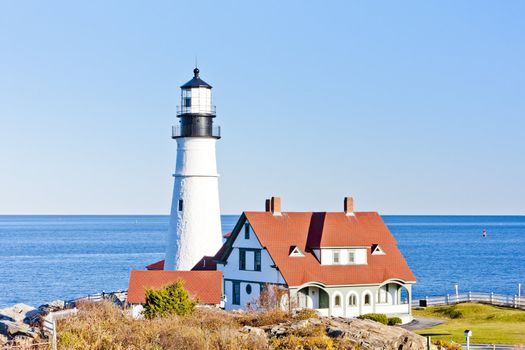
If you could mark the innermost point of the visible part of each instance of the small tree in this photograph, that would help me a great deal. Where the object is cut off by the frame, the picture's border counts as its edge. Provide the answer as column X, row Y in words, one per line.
column 171, row 299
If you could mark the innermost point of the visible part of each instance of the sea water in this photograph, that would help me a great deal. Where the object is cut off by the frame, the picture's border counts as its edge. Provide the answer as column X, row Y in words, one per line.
column 43, row 258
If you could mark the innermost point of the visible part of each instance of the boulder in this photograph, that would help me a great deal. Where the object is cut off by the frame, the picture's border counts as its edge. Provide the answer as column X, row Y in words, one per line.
column 334, row 332
column 18, row 313
column 254, row 330
column 373, row 335
column 12, row 329
column 52, row 306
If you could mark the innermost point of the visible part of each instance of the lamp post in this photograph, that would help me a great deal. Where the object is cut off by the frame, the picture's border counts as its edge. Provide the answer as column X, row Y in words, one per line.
column 468, row 334
column 457, row 292
column 519, row 294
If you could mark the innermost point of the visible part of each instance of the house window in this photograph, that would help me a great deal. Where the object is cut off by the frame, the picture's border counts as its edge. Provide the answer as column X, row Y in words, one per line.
column 236, row 297
column 351, row 257
column 180, row 205
column 335, row 257
column 352, row 300
column 246, row 231
column 367, row 299
column 248, row 289
column 257, row 262
column 337, row 301
column 256, row 259
column 242, row 259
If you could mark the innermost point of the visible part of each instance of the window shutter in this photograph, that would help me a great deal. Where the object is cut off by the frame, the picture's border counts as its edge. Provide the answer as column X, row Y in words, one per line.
column 242, row 259
column 257, row 262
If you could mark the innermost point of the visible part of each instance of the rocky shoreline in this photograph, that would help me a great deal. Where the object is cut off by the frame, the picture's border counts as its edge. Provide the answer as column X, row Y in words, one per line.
column 22, row 324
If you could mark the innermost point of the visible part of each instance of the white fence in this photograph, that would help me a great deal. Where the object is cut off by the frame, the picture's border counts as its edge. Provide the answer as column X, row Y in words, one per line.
column 49, row 323
column 473, row 297
column 118, row 297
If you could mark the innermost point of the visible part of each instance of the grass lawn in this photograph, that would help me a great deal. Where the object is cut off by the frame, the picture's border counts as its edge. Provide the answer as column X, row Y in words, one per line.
column 488, row 323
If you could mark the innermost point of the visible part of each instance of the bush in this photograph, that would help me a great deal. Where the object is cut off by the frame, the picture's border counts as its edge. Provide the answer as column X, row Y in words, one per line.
column 259, row 319
column 450, row 311
column 443, row 344
column 172, row 299
column 392, row 321
column 381, row 318
column 305, row 314
column 105, row 326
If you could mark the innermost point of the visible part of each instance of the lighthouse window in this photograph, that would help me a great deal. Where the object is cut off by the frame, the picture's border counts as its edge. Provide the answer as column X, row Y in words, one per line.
column 180, row 204
column 187, row 102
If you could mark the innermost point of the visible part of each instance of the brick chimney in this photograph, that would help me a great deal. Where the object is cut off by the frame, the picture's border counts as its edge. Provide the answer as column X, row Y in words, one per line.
column 349, row 206
column 268, row 205
column 275, row 206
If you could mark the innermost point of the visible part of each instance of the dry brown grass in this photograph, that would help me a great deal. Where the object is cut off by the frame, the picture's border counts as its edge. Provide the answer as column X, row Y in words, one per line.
column 103, row 326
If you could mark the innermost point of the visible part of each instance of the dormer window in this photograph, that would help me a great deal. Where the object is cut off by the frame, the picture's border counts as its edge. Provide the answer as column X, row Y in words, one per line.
column 335, row 257
column 351, row 257
column 377, row 250
column 295, row 251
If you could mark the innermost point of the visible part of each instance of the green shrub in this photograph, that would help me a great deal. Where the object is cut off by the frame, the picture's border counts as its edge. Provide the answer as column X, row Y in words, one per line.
column 171, row 299
column 381, row 318
column 392, row 321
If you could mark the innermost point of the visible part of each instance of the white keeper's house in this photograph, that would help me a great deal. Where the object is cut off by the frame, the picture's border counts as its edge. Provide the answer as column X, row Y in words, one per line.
column 339, row 263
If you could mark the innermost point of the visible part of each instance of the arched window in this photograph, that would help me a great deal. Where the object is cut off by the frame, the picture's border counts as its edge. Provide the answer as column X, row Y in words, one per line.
column 367, row 299
column 337, row 301
column 352, row 300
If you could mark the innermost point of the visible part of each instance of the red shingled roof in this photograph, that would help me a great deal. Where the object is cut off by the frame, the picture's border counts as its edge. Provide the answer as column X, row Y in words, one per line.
column 206, row 286
column 206, row 263
column 159, row 265
column 313, row 230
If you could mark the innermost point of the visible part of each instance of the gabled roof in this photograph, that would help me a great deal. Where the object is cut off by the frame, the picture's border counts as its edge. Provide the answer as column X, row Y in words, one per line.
column 308, row 231
column 206, row 286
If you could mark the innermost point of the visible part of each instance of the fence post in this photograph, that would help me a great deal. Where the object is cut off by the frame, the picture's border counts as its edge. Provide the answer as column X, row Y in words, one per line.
column 55, row 346
column 514, row 301
column 469, row 296
column 492, row 297
column 448, row 299
column 426, row 300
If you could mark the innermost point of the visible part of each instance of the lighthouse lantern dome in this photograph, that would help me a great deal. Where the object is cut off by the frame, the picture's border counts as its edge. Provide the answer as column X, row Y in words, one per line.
column 196, row 96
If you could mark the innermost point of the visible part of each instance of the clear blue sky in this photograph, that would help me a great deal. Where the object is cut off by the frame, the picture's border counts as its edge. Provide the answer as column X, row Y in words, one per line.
column 412, row 107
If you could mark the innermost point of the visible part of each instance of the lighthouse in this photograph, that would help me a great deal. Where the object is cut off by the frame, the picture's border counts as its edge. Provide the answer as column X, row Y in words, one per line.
column 195, row 222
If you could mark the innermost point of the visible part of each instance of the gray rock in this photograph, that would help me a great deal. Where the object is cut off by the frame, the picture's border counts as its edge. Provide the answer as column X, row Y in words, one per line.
column 12, row 329
column 278, row 331
column 17, row 313
column 55, row 305
column 253, row 330
column 299, row 324
column 315, row 321
column 334, row 332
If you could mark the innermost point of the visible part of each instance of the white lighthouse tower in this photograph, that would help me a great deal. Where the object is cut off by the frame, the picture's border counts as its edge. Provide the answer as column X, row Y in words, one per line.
column 195, row 222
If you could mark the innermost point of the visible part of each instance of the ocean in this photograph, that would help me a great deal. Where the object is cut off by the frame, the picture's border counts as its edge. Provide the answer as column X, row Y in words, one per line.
column 43, row 258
